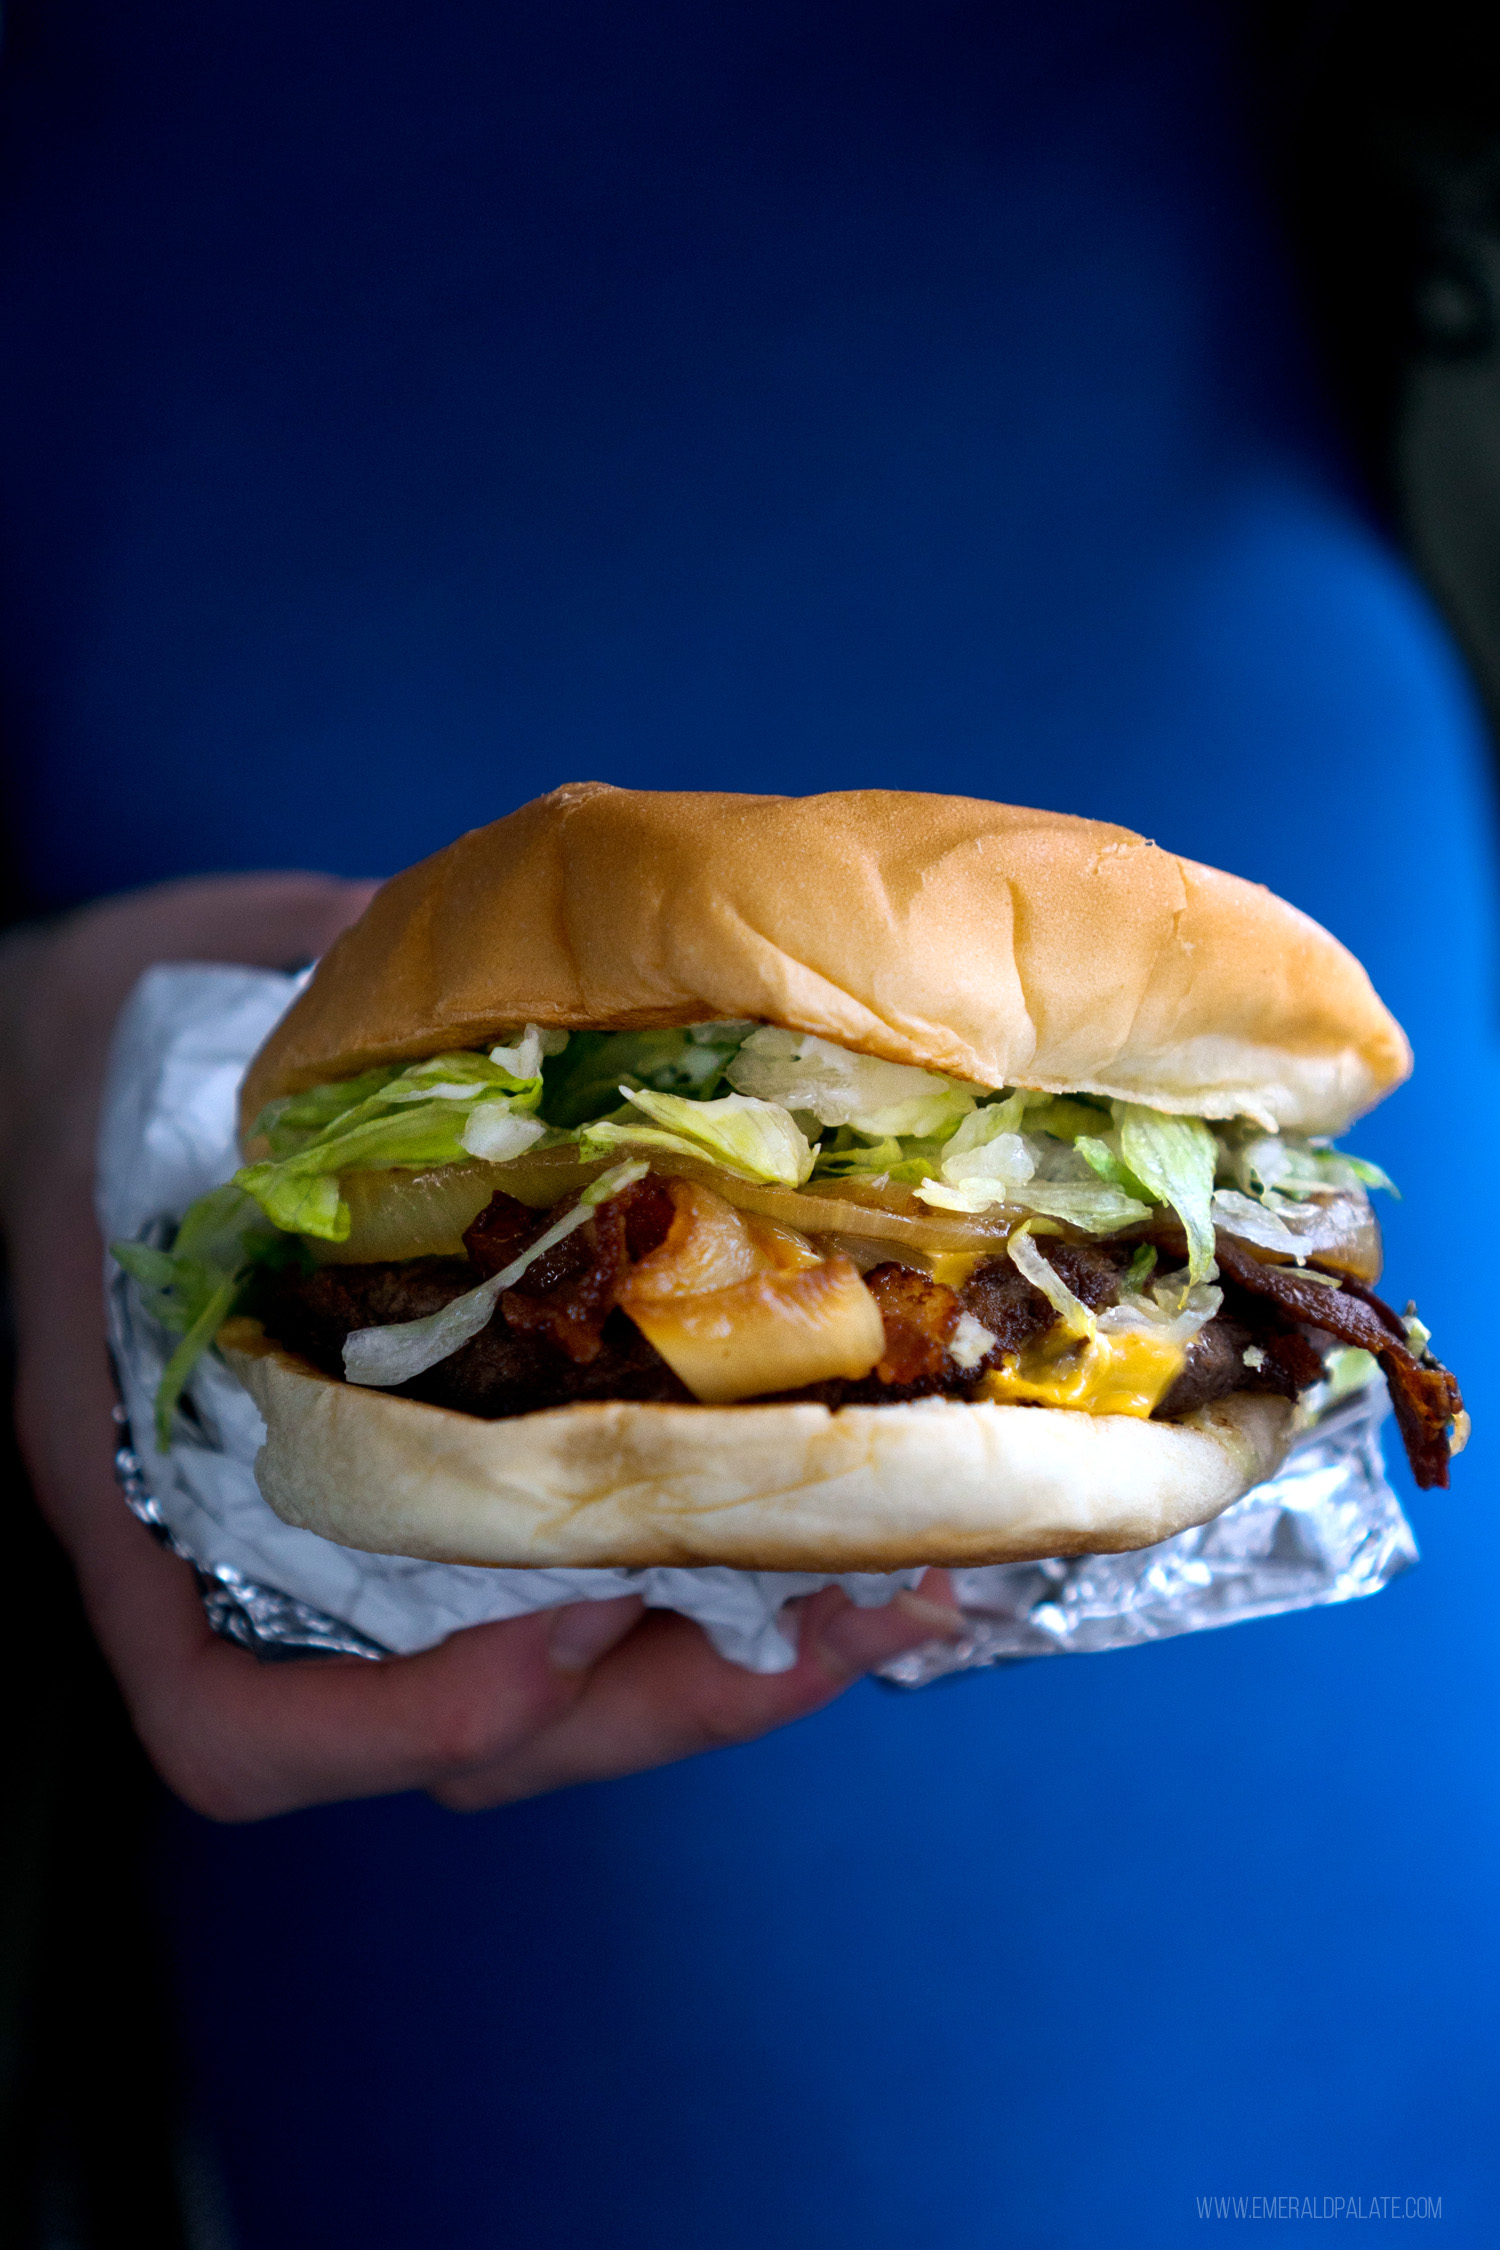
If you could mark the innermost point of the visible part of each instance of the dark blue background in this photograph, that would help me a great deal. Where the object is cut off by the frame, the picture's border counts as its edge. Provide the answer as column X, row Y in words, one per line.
column 400, row 413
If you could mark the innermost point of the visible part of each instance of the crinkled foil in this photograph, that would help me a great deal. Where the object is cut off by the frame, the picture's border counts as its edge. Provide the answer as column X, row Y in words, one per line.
column 273, row 1626
column 1327, row 1528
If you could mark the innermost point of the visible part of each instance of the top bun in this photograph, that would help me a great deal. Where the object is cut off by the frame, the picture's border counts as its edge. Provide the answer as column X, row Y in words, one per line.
column 1000, row 945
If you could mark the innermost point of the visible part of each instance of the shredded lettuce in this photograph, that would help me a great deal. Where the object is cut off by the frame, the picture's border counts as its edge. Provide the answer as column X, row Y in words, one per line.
column 524, row 1056
column 1271, row 1166
column 1064, row 1116
column 1172, row 1310
column 904, row 1163
column 1095, row 1210
column 1346, row 1369
column 1073, row 1313
column 1175, row 1158
column 496, row 1132
column 583, row 1083
column 1140, row 1269
column 838, row 1087
column 193, row 1288
column 438, row 1111
column 989, row 1161
column 1103, row 1157
column 289, row 1124
column 1096, row 1165
column 757, row 1140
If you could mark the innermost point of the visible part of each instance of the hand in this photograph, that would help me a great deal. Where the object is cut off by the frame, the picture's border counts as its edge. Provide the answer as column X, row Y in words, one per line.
column 497, row 1712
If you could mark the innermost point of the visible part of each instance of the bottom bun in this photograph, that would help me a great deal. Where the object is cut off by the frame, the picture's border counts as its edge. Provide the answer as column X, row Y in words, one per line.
column 759, row 1487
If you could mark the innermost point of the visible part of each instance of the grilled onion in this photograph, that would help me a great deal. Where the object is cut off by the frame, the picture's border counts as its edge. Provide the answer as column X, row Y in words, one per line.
column 774, row 1332
column 398, row 1214
column 739, row 1305
column 409, row 1214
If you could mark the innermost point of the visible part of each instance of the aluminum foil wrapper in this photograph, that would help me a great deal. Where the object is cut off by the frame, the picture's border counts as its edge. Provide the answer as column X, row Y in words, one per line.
column 1327, row 1528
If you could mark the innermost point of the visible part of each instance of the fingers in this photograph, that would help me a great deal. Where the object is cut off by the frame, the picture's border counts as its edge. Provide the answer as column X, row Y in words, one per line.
column 581, row 1634
column 498, row 1712
column 240, row 1740
column 664, row 1694
column 854, row 1641
column 62, row 986
column 235, row 1738
column 495, row 1713
column 267, row 921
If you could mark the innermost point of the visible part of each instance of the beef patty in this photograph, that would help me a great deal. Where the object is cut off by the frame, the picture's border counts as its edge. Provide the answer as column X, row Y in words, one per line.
column 559, row 1335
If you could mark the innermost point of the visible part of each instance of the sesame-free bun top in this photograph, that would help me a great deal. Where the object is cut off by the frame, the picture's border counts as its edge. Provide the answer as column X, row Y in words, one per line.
column 1000, row 945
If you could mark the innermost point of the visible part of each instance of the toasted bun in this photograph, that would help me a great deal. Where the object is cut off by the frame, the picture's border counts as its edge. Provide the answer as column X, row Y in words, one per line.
column 1003, row 946
column 758, row 1487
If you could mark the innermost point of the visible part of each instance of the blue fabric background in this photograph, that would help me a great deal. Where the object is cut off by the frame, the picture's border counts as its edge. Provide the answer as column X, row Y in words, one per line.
column 401, row 412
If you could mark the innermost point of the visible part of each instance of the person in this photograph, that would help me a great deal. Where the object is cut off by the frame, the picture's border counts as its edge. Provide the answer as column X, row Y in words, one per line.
column 402, row 416
column 501, row 1712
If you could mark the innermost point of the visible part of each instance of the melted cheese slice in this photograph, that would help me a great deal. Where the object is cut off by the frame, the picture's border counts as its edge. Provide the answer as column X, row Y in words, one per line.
column 1128, row 1374
column 739, row 1305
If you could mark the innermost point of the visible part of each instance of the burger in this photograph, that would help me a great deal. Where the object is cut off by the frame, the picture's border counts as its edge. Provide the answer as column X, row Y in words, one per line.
column 831, row 1183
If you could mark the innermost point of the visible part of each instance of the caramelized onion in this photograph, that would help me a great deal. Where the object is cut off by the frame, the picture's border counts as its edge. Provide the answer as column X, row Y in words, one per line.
column 710, row 1245
column 1339, row 1230
column 738, row 1305
column 902, row 1222
column 397, row 1214
column 409, row 1214
column 771, row 1332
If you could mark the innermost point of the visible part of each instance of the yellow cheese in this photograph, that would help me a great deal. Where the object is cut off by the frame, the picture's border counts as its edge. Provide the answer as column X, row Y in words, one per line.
column 1128, row 1374
column 954, row 1267
column 738, row 1305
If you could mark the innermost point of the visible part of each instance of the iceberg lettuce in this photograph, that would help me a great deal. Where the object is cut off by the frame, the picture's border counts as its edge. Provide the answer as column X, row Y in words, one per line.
column 757, row 1140
column 1175, row 1159
column 1071, row 1311
column 838, row 1087
column 289, row 1124
column 193, row 1288
column 1099, row 1209
column 989, row 1162
column 438, row 1111
column 1270, row 1165
column 584, row 1083
column 1105, row 1159
column 905, row 1163
column 495, row 1132
column 1172, row 1310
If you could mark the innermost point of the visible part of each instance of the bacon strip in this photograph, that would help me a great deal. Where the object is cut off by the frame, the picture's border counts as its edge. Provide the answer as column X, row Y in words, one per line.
column 919, row 1315
column 1425, row 1396
column 570, row 1292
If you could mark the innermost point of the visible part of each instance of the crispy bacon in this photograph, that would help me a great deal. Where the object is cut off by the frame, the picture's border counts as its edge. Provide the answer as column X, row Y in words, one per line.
column 1425, row 1396
column 550, row 1343
column 919, row 1315
column 568, row 1295
column 501, row 1232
